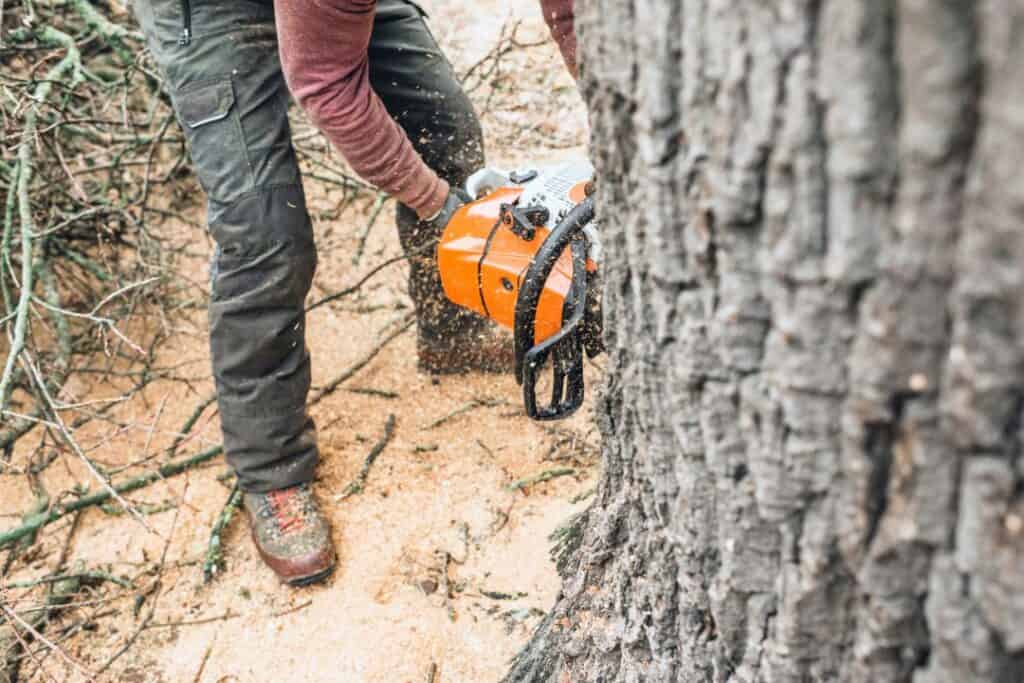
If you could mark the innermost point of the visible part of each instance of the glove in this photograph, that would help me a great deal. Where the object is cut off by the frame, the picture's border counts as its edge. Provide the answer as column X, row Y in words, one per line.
column 456, row 198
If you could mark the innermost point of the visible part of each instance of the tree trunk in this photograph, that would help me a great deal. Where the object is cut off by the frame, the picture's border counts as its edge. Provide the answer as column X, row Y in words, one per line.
column 814, row 220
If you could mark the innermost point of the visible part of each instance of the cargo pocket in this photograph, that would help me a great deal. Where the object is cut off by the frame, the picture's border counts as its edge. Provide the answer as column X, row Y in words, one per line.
column 208, row 114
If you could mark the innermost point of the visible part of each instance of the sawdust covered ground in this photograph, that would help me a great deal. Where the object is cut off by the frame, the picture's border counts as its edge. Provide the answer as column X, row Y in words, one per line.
column 444, row 570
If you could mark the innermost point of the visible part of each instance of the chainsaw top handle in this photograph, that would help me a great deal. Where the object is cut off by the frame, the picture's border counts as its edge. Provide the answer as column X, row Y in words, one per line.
column 565, row 346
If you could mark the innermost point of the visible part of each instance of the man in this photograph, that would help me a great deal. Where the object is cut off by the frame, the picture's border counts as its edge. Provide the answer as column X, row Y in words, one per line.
column 371, row 76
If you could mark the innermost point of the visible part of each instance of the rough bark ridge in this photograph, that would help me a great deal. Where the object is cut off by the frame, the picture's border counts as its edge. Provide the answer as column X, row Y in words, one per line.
column 815, row 315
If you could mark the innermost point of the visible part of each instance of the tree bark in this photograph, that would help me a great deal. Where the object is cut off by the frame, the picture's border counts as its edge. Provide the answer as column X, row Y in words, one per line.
column 814, row 309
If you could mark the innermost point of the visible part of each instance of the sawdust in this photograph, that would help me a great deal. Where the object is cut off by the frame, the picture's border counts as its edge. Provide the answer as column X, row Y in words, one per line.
column 443, row 570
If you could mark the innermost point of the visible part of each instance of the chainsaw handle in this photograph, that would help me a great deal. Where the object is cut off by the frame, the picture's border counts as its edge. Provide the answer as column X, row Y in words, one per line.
column 566, row 349
column 566, row 344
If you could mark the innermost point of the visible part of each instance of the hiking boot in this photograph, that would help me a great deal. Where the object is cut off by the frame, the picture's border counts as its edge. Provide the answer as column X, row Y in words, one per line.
column 490, row 351
column 291, row 534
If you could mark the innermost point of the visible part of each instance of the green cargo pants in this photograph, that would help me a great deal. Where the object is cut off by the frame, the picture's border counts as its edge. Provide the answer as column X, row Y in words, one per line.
column 231, row 100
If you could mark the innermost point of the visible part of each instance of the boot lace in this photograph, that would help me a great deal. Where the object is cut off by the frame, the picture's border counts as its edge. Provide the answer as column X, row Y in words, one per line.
column 286, row 507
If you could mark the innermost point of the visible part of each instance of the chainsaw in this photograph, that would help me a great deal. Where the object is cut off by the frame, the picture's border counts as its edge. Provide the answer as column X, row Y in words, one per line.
column 526, row 253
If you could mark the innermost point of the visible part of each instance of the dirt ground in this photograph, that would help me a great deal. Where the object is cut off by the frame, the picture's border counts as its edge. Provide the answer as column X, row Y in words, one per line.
column 443, row 569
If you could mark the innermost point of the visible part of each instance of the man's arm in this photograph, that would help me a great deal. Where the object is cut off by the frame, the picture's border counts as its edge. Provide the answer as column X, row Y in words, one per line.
column 323, row 54
column 559, row 17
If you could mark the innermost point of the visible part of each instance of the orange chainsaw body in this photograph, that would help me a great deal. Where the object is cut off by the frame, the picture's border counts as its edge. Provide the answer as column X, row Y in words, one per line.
column 482, row 262
column 526, row 254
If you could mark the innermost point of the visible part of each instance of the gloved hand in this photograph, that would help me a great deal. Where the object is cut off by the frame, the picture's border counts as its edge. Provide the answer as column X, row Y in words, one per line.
column 456, row 198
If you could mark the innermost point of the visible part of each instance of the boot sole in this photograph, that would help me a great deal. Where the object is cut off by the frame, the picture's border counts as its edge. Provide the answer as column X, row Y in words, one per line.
column 311, row 579
column 297, row 581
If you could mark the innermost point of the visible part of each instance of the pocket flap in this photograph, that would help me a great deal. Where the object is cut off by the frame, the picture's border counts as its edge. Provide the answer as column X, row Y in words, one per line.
column 206, row 102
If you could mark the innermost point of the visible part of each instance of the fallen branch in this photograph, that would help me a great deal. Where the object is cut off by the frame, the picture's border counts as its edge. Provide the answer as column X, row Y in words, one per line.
column 206, row 657
column 292, row 609
column 47, row 403
column 546, row 475
column 359, row 364
column 70, row 170
column 363, row 280
column 39, row 520
column 486, row 448
column 379, row 393
column 156, row 589
column 18, row 623
column 50, row 516
column 60, row 588
column 462, row 410
column 86, row 578
column 378, row 205
column 502, row 595
column 190, row 423
column 215, row 548
column 360, row 481
column 26, row 168
column 227, row 616
column 583, row 496
column 195, row 622
column 446, row 584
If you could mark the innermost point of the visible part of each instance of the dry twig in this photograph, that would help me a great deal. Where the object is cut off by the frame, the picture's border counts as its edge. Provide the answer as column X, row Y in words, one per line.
column 357, row 484
column 462, row 410
column 51, row 515
column 214, row 561
column 546, row 475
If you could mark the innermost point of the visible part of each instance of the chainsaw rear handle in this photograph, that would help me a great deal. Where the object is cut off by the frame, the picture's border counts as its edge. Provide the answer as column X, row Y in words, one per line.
column 566, row 346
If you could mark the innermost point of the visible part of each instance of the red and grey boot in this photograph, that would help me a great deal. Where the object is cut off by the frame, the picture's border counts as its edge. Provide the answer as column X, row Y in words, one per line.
column 291, row 534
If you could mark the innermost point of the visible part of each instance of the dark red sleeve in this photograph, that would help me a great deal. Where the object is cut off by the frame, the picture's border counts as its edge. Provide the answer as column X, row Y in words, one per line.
column 559, row 17
column 323, row 54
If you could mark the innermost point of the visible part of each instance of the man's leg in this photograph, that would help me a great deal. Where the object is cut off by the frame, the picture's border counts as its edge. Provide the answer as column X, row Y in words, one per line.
column 231, row 100
column 420, row 90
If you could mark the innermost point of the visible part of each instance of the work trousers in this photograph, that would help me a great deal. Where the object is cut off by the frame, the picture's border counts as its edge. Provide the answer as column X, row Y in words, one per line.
column 232, row 103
